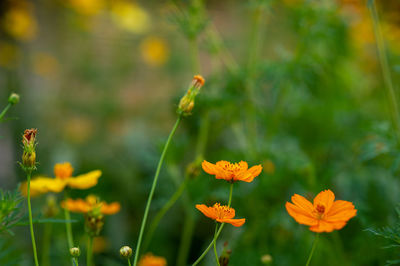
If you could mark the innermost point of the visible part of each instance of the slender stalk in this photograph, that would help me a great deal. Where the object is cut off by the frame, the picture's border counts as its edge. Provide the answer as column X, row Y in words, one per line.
column 89, row 251
column 218, row 232
column 160, row 214
column 312, row 249
column 75, row 261
column 29, row 173
column 46, row 244
column 129, row 262
column 153, row 187
column 215, row 244
column 5, row 111
column 385, row 67
column 68, row 227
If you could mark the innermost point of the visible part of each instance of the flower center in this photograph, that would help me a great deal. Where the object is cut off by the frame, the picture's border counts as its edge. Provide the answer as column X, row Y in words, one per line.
column 231, row 167
column 320, row 209
column 222, row 211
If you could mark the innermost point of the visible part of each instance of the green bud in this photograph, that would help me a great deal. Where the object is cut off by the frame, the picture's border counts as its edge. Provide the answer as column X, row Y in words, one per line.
column 13, row 99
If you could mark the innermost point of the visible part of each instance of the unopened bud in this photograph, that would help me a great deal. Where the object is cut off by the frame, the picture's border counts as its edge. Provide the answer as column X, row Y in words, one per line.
column 29, row 154
column 75, row 252
column 13, row 99
column 186, row 103
column 266, row 259
column 125, row 252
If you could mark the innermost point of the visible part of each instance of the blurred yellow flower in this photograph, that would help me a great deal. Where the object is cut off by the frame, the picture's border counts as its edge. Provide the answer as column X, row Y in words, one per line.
column 45, row 64
column 129, row 16
column 78, row 129
column 19, row 22
column 155, row 51
column 100, row 244
column 151, row 260
column 87, row 7
column 91, row 203
column 8, row 55
column 63, row 178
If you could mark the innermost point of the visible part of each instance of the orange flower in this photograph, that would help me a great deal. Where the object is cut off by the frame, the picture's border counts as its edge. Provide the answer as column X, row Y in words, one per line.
column 222, row 214
column 324, row 214
column 151, row 260
column 232, row 172
column 91, row 203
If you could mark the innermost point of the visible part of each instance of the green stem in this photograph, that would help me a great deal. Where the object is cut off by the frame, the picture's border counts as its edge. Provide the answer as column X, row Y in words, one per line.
column 129, row 262
column 75, row 260
column 89, row 251
column 68, row 226
column 5, row 111
column 29, row 173
column 385, row 67
column 153, row 187
column 46, row 244
column 218, row 232
column 312, row 249
column 215, row 244
column 154, row 224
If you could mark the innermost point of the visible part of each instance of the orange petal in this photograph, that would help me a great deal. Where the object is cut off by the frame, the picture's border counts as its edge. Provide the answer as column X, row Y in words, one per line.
column 111, row 208
column 252, row 173
column 78, row 205
column 323, row 226
column 303, row 203
column 325, row 198
column 207, row 211
column 300, row 215
column 84, row 181
column 209, row 168
column 234, row 222
column 341, row 210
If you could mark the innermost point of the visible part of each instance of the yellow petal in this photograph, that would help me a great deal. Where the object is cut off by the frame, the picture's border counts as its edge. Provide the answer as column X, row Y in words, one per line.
column 41, row 185
column 84, row 181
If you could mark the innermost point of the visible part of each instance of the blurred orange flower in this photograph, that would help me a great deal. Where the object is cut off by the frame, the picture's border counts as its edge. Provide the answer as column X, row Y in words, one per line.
column 91, row 203
column 221, row 214
column 155, row 51
column 232, row 171
column 63, row 178
column 151, row 260
column 324, row 214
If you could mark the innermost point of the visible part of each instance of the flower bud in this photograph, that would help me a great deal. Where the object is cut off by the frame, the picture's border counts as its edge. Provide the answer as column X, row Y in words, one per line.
column 29, row 154
column 186, row 103
column 266, row 259
column 125, row 252
column 13, row 99
column 75, row 252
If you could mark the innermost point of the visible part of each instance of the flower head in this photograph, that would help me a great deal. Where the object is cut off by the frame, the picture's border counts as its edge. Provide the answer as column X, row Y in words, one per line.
column 63, row 178
column 125, row 252
column 221, row 214
column 90, row 204
column 29, row 153
column 324, row 214
column 232, row 171
column 151, row 260
column 186, row 103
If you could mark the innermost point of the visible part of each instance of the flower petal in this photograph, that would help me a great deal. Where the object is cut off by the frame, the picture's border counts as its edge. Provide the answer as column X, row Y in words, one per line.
column 84, row 181
column 325, row 198
column 78, row 205
column 323, row 226
column 207, row 211
column 303, row 203
column 234, row 222
column 300, row 215
column 341, row 210
column 251, row 173
column 110, row 209
column 209, row 168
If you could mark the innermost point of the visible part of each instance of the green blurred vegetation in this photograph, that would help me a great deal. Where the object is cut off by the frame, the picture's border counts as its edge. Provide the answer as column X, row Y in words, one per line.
column 293, row 85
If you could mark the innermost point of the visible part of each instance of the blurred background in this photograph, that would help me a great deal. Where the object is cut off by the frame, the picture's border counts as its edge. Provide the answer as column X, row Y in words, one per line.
column 294, row 85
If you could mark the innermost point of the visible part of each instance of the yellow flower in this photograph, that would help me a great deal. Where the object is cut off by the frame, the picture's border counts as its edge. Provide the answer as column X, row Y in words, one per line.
column 87, row 7
column 19, row 22
column 91, row 203
column 129, row 16
column 151, row 260
column 63, row 178
column 8, row 55
column 155, row 51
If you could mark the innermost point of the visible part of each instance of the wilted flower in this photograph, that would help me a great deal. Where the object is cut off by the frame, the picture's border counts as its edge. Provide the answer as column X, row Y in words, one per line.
column 221, row 214
column 232, row 172
column 63, row 178
column 324, row 214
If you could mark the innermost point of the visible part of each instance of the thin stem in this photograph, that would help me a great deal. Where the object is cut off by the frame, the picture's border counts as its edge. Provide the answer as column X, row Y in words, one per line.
column 215, row 244
column 312, row 249
column 68, row 227
column 129, row 262
column 385, row 66
column 75, row 260
column 89, row 251
column 29, row 173
column 5, row 111
column 153, row 187
column 154, row 224
column 218, row 232
column 46, row 244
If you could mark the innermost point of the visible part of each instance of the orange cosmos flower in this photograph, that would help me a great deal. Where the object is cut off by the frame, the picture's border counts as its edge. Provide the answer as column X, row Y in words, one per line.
column 232, row 172
column 91, row 203
column 324, row 214
column 151, row 260
column 63, row 178
column 222, row 214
